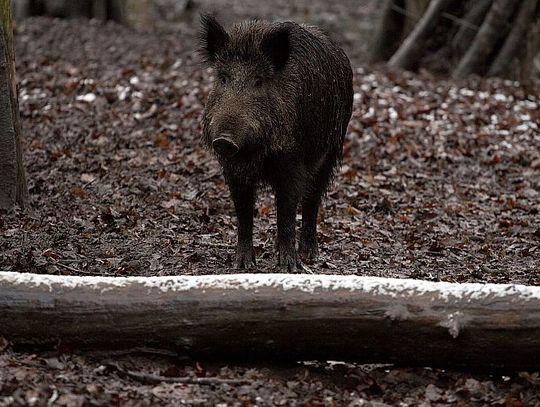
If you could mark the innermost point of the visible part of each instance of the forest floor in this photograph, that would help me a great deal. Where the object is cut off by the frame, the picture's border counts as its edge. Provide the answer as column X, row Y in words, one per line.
column 441, row 181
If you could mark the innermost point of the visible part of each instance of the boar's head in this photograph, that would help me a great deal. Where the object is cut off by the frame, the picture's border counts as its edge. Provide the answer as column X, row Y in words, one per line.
column 250, row 110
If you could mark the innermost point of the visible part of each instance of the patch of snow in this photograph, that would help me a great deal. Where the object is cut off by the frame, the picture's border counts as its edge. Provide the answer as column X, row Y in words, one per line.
column 521, row 128
column 122, row 91
column 467, row 92
column 88, row 97
column 455, row 321
column 308, row 283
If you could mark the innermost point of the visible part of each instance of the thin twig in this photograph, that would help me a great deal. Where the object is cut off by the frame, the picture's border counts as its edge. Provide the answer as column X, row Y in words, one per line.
column 79, row 271
column 68, row 267
column 138, row 350
column 149, row 378
column 216, row 245
column 446, row 15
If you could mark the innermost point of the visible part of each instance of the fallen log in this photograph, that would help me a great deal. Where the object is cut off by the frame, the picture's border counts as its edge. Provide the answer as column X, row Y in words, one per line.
column 304, row 317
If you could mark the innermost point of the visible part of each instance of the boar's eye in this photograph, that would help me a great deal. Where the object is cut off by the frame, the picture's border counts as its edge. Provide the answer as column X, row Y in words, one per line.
column 258, row 81
column 223, row 78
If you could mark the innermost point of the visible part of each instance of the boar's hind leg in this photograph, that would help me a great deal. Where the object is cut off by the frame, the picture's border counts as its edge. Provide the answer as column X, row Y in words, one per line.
column 244, row 202
column 287, row 197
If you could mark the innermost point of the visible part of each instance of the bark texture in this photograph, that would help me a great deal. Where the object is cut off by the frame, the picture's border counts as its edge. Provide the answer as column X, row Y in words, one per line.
column 471, row 22
column 408, row 53
column 389, row 32
column 513, row 43
column 300, row 317
column 414, row 10
column 13, row 188
column 491, row 31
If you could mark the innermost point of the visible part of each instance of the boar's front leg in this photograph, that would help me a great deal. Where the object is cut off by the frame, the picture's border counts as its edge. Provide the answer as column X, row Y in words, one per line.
column 243, row 195
column 287, row 198
column 310, row 208
column 307, row 246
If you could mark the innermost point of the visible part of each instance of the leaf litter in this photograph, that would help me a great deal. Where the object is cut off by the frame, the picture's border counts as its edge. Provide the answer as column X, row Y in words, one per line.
column 440, row 182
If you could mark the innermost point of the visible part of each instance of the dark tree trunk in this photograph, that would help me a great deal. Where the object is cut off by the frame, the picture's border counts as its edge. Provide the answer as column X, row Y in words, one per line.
column 13, row 188
column 471, row 22
column 388, row 35
column 462, row 37
column 99, row 9
column 298, row 317
column 491, row 31
column 115, row 10
column 408, row 53
column 516, row 41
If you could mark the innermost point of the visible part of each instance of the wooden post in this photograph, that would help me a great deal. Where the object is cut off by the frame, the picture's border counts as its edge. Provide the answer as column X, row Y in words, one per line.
column 298, row 317
column 13, row 188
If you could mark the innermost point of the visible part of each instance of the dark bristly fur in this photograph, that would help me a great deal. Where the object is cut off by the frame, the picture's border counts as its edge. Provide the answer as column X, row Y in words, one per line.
column 277, row 115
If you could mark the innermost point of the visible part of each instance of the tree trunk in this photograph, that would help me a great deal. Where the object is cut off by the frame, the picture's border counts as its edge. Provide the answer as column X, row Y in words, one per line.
column 469, row 27
column 98, row 9
column 13, row 188
column 516, row 42
column 408, row 53
column 414, row 10
column 491, row 31
column 299, row 317
column 530, row 65
column 486, row 37
column 388, row 35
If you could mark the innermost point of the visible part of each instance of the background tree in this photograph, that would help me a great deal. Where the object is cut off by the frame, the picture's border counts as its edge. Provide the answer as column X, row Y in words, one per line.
column 12, row 177
column 148, row 13
column 99, row 9
column 460, row 37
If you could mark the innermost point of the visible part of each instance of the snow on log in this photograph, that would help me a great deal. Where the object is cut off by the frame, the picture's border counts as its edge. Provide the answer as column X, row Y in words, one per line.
column 248, row 316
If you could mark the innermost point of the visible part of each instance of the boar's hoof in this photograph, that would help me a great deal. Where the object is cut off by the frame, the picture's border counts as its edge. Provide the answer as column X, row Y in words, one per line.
column 308, row 251
column 225, row 146
column 245, row 259
column 289, row 262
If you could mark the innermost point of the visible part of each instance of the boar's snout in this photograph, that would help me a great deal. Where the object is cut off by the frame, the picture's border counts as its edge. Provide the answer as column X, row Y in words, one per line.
column 225, row 146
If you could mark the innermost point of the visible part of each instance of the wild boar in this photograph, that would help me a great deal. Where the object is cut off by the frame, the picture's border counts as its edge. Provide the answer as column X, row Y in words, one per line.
column 277, row 115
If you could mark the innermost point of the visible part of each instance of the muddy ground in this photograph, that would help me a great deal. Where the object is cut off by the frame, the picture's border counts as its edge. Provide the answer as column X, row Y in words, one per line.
column 440, row 181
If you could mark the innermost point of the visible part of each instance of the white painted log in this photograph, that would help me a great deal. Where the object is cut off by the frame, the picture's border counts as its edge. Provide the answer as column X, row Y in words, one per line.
column 247, row 316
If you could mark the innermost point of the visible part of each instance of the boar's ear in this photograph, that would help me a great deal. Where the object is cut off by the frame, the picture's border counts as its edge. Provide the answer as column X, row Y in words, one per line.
column 213, row 37
column 277, row 45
